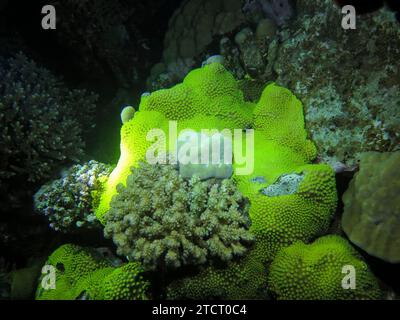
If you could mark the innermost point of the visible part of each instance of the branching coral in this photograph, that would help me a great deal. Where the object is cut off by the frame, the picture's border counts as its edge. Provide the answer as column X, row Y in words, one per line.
column 315, row 272
column 68, row 202
column 39, row 126
column 166, row 222
column 83, row 274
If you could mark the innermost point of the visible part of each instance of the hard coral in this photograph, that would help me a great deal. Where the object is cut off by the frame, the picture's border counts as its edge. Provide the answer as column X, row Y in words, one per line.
column 208, row 98
column 351, row 105
column 68, row 202
column 372, row 206
column 315, row 272
column 166, row 222
column 212, row 99
column 281, row 148
column 40, row 128
column 83, row 274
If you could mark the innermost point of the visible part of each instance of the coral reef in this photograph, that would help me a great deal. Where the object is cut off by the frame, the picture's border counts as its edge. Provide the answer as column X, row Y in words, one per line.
column 83, row 274
column 212, row 100
column 349, row 88
column 68, row 202
column 191, row 30
column 281, row 148
column 39, row 127
column 372, row 206
column 165, row 222
column 314, row 272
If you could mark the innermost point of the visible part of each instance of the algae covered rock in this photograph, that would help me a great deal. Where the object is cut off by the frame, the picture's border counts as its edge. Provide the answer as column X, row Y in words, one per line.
column 371, row 217
column 347, row 79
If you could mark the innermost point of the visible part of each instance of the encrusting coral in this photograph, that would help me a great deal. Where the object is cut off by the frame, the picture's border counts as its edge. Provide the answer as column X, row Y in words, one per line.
column 212, row 99
column 315, row 272
column 83, row 274
column 68, row 202
column 165, row 222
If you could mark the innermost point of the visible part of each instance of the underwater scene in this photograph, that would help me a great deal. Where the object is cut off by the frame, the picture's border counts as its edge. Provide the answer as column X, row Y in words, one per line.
column 195, row 150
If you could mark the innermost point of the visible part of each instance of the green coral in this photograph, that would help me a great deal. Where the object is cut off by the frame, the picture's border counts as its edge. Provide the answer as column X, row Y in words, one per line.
column 82, row 273
column 210, row 98
column 281, row 148
column 314, row 272
column 238, row 280
column 165, row 221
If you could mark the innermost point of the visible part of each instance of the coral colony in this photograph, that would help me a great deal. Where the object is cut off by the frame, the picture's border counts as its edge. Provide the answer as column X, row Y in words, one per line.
column 234, row 150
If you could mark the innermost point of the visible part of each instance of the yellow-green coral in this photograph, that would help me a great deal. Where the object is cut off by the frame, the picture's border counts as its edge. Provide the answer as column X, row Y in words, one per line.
column 165, row 221
column 315, row 271
column 210, row 91
column 82, row 273
column 244, row 279
column 278, row 116
column 210, row 98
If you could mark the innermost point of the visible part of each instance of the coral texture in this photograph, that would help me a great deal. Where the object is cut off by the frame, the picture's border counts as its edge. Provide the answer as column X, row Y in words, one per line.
column 165, row 222
column 371, row 217
column 39, row 126
column 68, row 202
column 281, row 148
column 315, row 272
column 213, row 100
column 83, row 274
column 349, row 88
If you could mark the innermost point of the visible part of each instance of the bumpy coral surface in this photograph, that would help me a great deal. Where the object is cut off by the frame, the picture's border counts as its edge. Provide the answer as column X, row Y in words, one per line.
column 83, row 274
column 67, row 202
column 208, row 98
column 165, row 221
column 315, row 271
column 281, row 148
column 371, row 217
column 212, row 99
